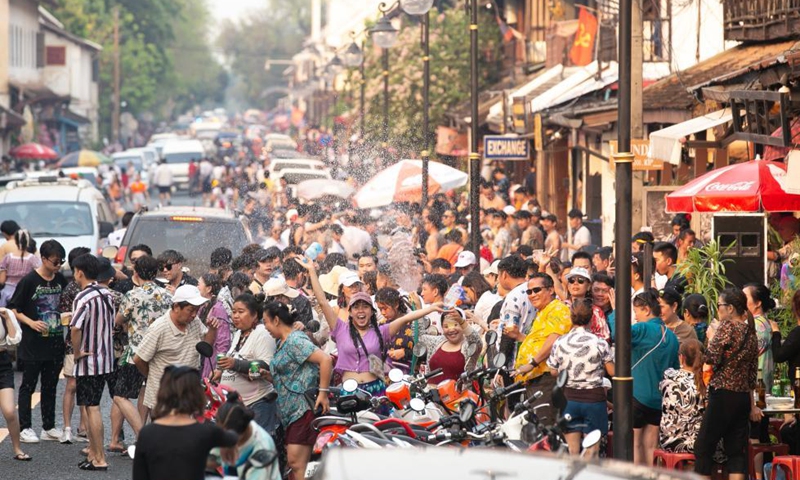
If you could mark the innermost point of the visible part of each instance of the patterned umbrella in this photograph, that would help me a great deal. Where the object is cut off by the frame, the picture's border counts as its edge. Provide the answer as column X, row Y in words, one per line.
column 84, row 158
column 402, row 182
column 33, row 151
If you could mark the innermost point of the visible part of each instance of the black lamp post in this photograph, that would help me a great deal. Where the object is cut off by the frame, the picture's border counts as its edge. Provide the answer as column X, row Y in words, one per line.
column 385, row 36
column 474, row 157
column 354, row 57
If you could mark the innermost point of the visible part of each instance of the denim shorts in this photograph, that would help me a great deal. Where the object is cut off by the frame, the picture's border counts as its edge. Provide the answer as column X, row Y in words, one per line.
column 593, row 416
column 266, row 415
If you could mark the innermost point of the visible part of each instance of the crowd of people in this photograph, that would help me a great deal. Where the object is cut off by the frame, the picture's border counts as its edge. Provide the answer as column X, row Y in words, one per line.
column 365, row 279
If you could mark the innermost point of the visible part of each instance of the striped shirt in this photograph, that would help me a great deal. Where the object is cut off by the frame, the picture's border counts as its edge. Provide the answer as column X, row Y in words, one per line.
column 93, row 313
column 165, row 344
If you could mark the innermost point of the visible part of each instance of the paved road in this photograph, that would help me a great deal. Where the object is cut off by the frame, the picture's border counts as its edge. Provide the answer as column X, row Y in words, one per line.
column 52, row 460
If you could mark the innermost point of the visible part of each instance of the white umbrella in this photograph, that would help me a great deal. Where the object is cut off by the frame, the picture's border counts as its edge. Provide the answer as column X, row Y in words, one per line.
column 402, row 182
column 318, row 188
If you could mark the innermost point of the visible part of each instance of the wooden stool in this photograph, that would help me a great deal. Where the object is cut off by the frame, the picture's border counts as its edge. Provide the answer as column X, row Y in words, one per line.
column 754, row 449
column 791, row 463
column 671, row 461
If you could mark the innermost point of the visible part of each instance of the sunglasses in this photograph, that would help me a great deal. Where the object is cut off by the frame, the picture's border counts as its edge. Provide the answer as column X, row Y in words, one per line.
column 167, row 266
column 533, row 290
column 56, row 263
column 579, row 280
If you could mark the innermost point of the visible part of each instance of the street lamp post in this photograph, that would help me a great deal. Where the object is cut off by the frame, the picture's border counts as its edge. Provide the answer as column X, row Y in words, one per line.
column 474, row 157
column 354, row 57
column 623, row 382
column 385, row 36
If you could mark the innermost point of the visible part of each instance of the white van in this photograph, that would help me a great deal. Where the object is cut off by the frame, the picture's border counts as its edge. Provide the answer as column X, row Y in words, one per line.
column 178, row 154
column 72, row 212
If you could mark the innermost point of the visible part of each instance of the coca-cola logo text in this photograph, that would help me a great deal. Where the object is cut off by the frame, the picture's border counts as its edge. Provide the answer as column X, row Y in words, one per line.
column 729, row 187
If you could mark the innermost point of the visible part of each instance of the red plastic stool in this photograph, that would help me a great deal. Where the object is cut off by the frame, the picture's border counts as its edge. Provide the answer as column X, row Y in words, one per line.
column 754, row 449
column 671, row 461
column 791, row 463
column 610, row 445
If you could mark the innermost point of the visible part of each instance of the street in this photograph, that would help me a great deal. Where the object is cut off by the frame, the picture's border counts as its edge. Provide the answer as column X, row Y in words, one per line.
column 53, row 460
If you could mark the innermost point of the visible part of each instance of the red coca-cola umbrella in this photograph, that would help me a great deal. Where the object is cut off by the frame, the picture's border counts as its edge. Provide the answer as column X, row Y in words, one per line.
column 744, row 187
column 33, row 151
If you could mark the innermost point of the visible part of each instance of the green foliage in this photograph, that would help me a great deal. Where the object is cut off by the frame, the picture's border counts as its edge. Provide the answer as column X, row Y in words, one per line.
column 783, row 296
column 165, row 58
column 275, row 32
column 704, row 270
column 450, row 73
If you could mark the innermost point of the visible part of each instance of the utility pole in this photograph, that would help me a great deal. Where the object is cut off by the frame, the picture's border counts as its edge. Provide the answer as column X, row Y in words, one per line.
column 623, row 381
column 474, row 156
column 426, row 90
column 637, row 58
column 115, row 111
column 363, row 85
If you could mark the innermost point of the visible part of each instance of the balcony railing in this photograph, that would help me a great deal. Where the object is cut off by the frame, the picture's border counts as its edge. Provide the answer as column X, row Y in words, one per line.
column 760, row 20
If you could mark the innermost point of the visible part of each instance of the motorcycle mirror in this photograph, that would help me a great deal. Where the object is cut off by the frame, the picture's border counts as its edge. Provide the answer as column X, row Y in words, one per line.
column 491, row 337
column 591, row 439
column 471, row 349
column 132, row 451
column 417, row 404
column 424, row 323
column 204, row 349
column 420, row 350
column 313, row 326
column 466, row 410
column 396, row 375
column 563, row 376
column 499, row 360
column 350, row 385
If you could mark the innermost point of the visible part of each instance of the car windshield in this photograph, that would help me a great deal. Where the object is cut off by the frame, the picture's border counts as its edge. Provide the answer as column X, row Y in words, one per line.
column 123, row 162
column 303, row 165
column 293, row 178
column 50, row 219
column 183, row 157
column 196, row 240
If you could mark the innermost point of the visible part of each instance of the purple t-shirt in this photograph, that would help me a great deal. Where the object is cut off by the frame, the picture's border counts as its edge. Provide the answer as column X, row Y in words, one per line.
column 348, row 358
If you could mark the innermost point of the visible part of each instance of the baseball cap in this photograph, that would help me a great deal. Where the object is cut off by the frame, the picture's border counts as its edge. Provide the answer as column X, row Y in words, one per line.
column 291, row 214
column 360, row 297
column 492, row 269
column 105, row 271
column 349, row 278
column 523, row 214
column 278, row 286
column 465, row 259
column 509, row 210
column 268, row 254
column 189, row 294
column 550, row 216
column 579, row 272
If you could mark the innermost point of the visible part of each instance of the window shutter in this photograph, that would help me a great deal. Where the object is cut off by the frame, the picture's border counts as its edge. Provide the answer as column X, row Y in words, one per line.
column 40, row 50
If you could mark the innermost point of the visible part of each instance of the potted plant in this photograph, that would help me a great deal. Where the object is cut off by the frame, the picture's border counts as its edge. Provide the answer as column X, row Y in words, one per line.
column 704, row 270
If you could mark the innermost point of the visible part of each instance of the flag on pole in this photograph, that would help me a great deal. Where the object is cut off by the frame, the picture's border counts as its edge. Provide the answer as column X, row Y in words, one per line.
column 582, row 51
column 509, row 33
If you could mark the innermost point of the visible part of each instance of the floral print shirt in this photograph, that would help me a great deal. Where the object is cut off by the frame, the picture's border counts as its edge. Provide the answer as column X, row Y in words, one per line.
column 682, row 410
column 293, row 374
column 733, row 353
column 139, row 308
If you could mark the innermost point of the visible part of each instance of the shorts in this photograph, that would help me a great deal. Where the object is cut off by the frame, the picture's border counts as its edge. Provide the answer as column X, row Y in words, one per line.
column 139, row 198
column 90, row 390
column 167, row 189
column 300, row 431
column 128, row 382
column 644, row 415
column 592, row 416
column 69, row 365
column 6, row 371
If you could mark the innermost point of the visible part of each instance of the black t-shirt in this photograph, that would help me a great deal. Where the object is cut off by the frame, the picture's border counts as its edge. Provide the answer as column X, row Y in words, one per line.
column 38, row 299
column 177, row 452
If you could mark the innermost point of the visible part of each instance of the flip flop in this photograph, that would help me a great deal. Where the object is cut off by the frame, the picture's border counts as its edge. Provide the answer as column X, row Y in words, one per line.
column 116, row 449
column 22, row 457
column 92, row 467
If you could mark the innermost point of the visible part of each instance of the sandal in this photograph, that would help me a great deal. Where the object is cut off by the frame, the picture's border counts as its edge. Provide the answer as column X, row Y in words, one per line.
column 22, row 457
column 92, row 467
column 111, row 449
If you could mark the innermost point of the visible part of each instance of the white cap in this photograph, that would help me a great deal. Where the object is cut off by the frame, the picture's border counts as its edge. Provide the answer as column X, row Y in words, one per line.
column 291, row 214
column 465, row 259
column 509, row 210
column 189, row 294
column 492, row 269
column 278, row 286
column 348, row 279
column 579, row 272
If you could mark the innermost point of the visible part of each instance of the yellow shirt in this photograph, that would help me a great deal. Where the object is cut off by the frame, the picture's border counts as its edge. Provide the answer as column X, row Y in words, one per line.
column 552, row 319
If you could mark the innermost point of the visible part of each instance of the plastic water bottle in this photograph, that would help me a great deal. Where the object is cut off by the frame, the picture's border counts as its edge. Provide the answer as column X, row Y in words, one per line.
column 454, row 296
column 313, row 251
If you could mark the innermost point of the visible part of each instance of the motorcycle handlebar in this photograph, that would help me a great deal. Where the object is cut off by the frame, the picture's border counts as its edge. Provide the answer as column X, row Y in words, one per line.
column 433, row 373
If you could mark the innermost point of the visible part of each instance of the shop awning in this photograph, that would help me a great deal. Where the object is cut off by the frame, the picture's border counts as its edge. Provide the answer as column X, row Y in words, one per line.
column 665, row 144
column 580, row 83
column 10, row 119
column 542, row 82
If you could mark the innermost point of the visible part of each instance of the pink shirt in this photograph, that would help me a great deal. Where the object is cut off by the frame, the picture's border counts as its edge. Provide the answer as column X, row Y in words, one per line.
column 348, row 359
